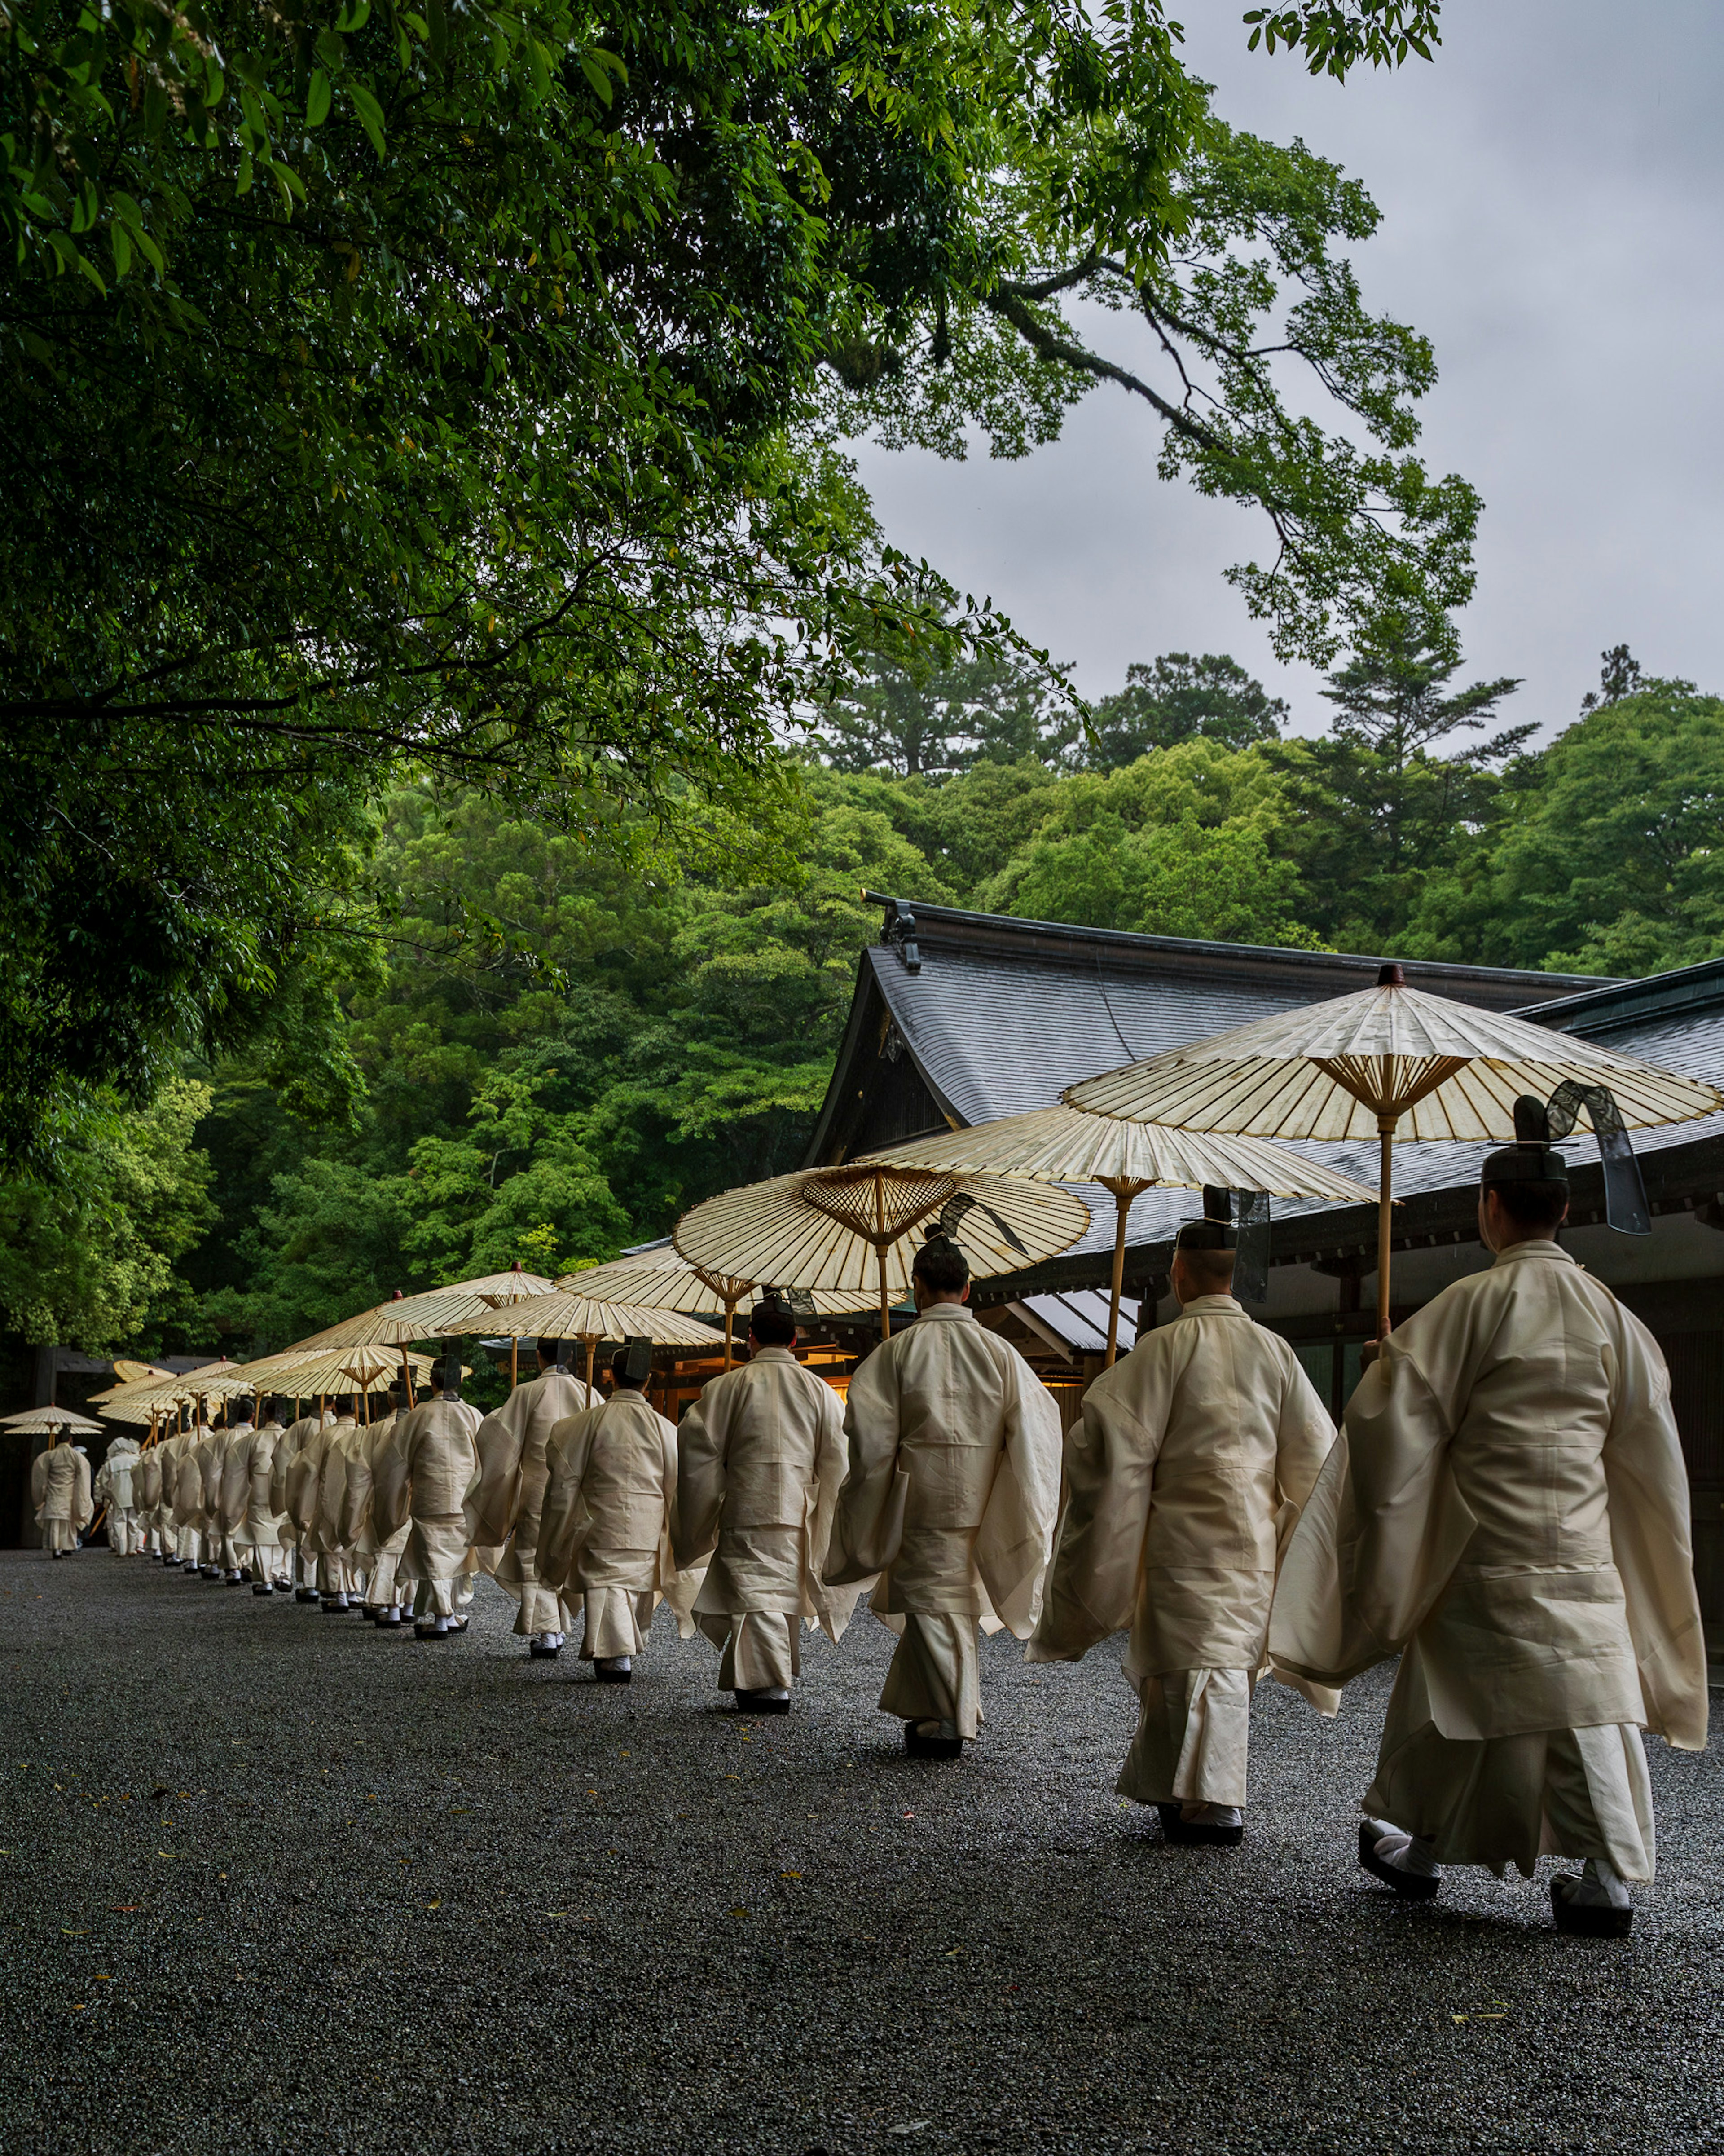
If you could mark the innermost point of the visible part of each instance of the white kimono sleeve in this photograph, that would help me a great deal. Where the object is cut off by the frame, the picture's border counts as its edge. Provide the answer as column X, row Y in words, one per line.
column 501, row 1439
column 868, row 1520
column 1385, row 1526
column 1110, row 1473
column 702, row 1441
column 1651, row 1542
column 1014, row 1540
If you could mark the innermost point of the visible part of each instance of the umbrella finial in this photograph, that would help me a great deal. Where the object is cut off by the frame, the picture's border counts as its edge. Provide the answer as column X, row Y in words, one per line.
column 398, row 1296
column 1392, row 975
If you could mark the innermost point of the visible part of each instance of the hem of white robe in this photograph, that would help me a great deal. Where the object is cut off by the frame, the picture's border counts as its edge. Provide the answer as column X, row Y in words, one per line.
column 935, row 1673
column 1194, row 1738
column 759, row 1650
column 1494, row 1801
column 617, row 1620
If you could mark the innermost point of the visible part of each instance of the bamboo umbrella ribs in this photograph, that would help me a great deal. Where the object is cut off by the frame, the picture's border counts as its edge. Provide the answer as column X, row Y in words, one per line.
column 1065, row 1145
column 437, row 1312
column 1395, row 1061
column 567, row 1315
column 661, row 1278
column 826, row 1229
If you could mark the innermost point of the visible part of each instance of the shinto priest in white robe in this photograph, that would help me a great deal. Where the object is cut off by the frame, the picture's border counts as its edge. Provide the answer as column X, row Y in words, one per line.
column 1507, row 1510
column 761, row 1458
column 950, row 1497
column 1184, row 1477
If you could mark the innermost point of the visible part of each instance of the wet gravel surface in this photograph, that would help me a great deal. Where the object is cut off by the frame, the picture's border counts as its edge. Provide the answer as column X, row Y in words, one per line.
column 271, row 1881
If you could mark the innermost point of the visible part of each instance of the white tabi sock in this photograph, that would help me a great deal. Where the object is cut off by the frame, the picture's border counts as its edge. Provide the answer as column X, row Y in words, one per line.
column 1598, row 1887
column 1406, row 1852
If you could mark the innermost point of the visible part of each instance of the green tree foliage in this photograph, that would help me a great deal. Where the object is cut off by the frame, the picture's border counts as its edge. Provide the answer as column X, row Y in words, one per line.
column 394, row 394
column 89, row 1255
column 1386, row 799
column 909, row 720
column 1178, row 698
column 1177, row 844
column 1611, row 858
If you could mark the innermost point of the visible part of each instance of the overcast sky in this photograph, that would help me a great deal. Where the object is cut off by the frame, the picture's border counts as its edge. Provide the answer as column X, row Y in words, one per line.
column 1553, row 219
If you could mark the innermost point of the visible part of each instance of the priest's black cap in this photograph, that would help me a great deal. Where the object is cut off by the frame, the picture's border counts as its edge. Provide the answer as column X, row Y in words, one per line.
column 1531, row 1158
column 1216, row 1230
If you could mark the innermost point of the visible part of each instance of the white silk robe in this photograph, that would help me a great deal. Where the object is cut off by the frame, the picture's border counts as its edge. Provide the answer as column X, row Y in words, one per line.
column 146, row 1482
column 229, row 1490
column 1507, row 1509
column 60, row 1491
column 260, row 1529
column 116, row 1486
column 951, row 1495
column 426, row 1478
column 761, row 1458
column 1184, row 1478
column 513, row 1474
column 608, row 1529
column 305, row 1504
column 187, row 1497
column 287, row 1447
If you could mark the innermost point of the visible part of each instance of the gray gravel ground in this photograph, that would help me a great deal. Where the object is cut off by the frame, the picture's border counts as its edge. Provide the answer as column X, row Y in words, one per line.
column 271, row 1881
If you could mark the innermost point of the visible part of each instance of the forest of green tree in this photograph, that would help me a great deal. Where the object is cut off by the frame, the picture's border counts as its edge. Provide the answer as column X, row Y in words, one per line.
column 556, row 1044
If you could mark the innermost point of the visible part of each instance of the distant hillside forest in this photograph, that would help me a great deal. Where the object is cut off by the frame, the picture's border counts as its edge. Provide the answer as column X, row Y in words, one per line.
column 558, row 1041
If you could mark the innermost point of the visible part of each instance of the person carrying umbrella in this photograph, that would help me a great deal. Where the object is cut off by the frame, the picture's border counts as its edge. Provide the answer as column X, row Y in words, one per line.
column 950, row 1497
column 1507, row 1510
column 1191, row 1461
column 760, row 1460
column 59, row 1489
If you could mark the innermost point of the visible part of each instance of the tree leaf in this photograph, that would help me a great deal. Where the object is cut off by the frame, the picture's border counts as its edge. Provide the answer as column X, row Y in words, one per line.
column 371, row 113
column 317, row 99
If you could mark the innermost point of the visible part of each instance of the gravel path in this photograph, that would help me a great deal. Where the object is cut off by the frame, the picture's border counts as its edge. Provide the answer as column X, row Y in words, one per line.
column 271, row 1881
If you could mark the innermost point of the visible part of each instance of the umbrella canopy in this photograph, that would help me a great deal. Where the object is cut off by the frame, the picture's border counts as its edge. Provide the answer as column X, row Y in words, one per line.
column 1390, row 1059
column 131, row 1373
column 467, row 1305
column 1062, row 1144
column 827, row 1229
column 45, row 1419
column 330, row 1370
column 210, row 1381
column 564, row 1314
column 663, row 1279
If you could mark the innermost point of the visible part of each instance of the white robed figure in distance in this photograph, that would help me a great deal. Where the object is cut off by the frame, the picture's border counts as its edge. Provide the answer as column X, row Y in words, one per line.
column 951, row 1496
column 262, row 1550
column 513, row 1474
column 1507, row 1510
column 1184, row 1477
column 300, row 1563
column 607, row 1531
column 116, row 1486
column 60, row 1493
column 426, row 1479
column 761, row 1457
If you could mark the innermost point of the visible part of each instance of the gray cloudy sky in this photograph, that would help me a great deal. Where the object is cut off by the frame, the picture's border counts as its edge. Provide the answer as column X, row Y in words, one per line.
column 1551, row 191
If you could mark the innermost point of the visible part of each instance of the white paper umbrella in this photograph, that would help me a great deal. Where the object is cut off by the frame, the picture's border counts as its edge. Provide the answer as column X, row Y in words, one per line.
column 565, row 1315
column 1390, row 1059
column 663, row 1279
column 1065, row 1145
column 827, row 1229
column 45, row 1418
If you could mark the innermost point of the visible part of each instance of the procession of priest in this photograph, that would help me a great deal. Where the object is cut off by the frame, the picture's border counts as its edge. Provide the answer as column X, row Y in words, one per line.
column 1505, row 1509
